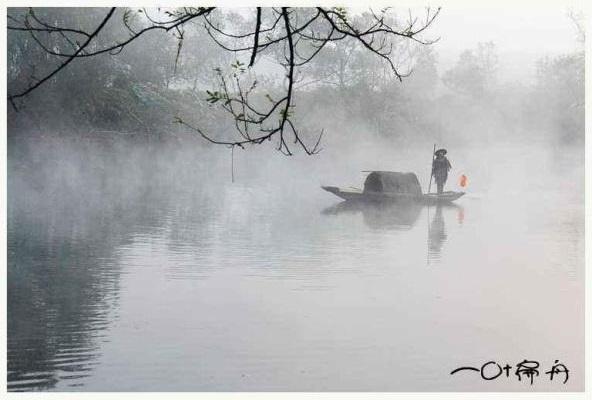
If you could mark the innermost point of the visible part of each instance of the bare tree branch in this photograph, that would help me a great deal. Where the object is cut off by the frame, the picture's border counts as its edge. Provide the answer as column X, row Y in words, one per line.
column 256, row 44
column 300, row 34
column 68, row 61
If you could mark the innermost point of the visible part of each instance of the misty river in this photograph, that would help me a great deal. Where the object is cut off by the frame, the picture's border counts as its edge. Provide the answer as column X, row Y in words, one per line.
column 144, row 267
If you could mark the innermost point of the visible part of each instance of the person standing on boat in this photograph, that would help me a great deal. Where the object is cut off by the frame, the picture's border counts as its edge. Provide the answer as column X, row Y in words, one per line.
column 440, row 168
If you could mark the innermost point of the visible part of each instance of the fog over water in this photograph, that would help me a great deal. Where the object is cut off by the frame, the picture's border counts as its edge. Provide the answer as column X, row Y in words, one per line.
column 146, row 269
column 142, row 258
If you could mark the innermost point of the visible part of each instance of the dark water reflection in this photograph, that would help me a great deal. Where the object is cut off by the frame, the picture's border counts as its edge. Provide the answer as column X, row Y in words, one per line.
column 63, row 269
column 403, row 216
column 142, row 268
column 437, row 230
column 399, row 216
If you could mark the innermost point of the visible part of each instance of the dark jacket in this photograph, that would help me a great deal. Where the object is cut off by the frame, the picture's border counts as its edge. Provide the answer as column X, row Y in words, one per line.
column 440, row 169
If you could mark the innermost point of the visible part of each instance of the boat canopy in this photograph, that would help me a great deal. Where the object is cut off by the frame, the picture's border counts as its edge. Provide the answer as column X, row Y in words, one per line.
column 392, row 182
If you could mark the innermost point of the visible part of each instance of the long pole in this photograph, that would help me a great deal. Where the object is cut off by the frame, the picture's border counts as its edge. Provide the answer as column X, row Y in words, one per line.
column 429, row 236
column 232, row 163
column 432, row 169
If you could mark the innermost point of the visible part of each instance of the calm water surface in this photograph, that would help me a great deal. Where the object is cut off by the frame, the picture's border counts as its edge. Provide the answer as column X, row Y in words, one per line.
column 143, row 269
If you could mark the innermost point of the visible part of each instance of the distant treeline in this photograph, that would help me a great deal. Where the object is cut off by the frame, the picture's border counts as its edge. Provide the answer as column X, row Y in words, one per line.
column 345, row 90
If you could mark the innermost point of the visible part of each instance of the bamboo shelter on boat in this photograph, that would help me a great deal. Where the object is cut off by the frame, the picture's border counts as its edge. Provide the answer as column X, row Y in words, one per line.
column 392, row 182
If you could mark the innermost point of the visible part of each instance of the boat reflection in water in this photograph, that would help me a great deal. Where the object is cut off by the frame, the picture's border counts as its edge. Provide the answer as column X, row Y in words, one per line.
column 380, row 215
column 402, row 216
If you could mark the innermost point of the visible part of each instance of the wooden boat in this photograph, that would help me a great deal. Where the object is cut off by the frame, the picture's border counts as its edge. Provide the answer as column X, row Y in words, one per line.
column 392, row 186
column 358, row 194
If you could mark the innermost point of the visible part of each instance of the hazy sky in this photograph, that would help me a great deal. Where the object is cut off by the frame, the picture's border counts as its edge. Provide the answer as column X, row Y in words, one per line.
column 522, row 31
